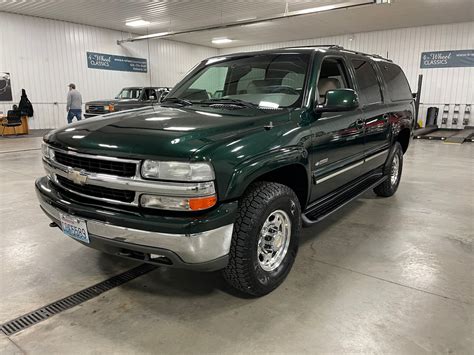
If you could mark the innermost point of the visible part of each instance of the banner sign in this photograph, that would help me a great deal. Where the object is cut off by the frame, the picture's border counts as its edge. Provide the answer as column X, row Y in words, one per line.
column 116, row 62
column 447, row 59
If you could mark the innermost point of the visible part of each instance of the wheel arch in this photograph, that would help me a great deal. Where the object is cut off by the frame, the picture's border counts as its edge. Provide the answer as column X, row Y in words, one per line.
column 287, row 166
column 403, row 137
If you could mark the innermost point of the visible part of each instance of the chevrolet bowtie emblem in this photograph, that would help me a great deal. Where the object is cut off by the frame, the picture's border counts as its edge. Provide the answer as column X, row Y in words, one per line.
column 77, row 176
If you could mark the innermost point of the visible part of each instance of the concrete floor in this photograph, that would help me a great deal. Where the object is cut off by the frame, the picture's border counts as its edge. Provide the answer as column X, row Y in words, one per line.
column 380, row 276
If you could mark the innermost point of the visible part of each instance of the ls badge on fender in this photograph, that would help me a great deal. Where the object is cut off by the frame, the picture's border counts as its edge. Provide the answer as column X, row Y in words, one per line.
column 77, row 176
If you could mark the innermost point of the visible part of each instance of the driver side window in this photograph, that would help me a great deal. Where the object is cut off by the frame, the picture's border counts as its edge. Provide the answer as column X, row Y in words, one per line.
column 333, row 76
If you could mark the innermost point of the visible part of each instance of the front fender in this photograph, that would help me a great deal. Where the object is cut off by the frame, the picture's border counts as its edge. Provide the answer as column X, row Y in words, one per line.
column 250, row 170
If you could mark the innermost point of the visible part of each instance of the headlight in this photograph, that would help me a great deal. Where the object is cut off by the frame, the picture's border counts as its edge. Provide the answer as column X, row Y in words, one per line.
column 48, row 153
column 177, row 171
column 178, row 203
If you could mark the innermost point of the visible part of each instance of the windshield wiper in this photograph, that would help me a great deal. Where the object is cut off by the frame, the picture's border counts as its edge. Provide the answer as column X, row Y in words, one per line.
column 229, row 101
column 176, row 100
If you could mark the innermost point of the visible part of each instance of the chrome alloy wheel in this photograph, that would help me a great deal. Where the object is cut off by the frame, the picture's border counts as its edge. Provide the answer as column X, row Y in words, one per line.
column 394, row 170
column 274, row 240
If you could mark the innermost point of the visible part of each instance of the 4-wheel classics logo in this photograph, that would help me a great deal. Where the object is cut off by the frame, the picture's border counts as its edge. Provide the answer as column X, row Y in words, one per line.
column 116, row 62
column 99, row 60
column 447, row 59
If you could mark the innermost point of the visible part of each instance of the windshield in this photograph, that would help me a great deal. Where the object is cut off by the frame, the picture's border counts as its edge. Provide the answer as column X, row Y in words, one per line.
column 129, row 93
column 268, row 80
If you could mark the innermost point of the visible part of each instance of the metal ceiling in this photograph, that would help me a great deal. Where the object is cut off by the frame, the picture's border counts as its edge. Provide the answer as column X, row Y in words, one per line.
column 185, row 15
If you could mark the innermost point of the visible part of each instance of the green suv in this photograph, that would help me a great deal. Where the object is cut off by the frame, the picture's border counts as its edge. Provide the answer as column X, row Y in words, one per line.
column 245, row 150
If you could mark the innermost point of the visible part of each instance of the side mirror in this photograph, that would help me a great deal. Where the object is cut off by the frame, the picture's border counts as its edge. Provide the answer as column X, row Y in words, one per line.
column 339, row 100
column 163, row 96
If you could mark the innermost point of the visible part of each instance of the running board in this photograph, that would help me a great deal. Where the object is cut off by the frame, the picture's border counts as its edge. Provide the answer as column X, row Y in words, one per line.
column 326, row 206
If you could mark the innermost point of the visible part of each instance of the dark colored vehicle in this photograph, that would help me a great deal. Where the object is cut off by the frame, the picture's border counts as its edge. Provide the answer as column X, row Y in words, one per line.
column 127, row 99
column 245, row 150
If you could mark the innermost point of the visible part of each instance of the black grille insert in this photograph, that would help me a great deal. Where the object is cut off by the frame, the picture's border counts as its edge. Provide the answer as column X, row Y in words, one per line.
column 96, row 165
column 98, row 191
column 96, row 109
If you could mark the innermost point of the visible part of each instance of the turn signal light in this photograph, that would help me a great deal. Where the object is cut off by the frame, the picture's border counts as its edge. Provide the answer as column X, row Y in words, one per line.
column 111, row 108
column 202, row 203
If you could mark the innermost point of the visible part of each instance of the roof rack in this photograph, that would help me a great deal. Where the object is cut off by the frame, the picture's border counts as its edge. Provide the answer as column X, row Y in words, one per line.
column 338, row 47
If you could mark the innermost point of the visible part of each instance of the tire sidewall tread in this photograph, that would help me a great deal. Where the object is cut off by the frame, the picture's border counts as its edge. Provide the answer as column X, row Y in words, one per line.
column 243, row 271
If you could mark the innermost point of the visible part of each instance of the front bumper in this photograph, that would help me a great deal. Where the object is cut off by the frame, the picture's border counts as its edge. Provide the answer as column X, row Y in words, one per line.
column 194, row 242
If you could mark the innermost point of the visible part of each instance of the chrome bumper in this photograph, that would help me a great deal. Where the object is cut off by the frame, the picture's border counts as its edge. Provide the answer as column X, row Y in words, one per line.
column 191, row 248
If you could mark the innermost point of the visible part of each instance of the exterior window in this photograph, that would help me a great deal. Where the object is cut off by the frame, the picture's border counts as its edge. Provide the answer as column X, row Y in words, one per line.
column 333, row 75
column 397, row 83
column 246, row 80
column 209, row 84
column 267, row 80
column 369, row 87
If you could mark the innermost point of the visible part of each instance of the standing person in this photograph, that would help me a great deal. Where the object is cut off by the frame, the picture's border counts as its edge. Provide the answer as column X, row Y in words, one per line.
column 74, row 104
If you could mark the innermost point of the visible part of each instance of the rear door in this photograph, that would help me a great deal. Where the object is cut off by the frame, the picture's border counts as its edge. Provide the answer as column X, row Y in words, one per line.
column 374, row 111
column 338, row 137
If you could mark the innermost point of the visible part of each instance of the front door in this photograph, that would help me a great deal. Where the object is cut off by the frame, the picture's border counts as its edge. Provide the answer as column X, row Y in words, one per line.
column 337, row 153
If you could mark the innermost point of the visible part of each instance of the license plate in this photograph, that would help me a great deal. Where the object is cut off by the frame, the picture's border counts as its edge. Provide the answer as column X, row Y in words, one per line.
column 75, row 228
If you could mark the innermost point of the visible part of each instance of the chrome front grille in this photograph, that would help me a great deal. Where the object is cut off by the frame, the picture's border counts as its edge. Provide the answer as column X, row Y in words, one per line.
column 94, row 165
column 103, row 193
column 112, row 180
column 96, row 177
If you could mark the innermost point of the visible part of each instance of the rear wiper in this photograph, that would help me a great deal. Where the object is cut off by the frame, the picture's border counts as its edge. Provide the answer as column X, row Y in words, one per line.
column 228, row 101
column 177, row 100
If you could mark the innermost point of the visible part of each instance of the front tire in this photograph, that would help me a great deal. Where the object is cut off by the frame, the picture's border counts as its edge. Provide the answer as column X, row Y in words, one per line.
column 393, row 171
column 265, row 239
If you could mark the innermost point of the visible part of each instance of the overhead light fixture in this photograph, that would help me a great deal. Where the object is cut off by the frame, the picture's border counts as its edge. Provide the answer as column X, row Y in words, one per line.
column 221, row 40
column 137, row 23
column 316, row 9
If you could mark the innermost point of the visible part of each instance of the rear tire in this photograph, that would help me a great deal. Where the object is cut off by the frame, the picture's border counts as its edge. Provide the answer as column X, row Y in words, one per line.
column 393, row 171
column 265, row 239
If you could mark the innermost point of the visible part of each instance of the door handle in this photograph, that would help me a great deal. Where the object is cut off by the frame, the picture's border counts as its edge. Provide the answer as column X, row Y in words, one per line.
column 359, row 123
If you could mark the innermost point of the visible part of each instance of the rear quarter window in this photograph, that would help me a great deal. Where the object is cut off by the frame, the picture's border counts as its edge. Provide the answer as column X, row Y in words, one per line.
column 396, row 81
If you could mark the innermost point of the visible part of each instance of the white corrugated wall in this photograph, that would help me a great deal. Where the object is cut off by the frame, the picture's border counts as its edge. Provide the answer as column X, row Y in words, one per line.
column 44, row 56
column 404, row 46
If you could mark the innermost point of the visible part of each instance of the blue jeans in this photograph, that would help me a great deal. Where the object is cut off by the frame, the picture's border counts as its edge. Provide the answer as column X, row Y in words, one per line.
column 74, row 113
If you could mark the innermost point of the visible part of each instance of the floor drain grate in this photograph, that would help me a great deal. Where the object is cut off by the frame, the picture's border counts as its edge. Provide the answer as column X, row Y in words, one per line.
column 29, row 319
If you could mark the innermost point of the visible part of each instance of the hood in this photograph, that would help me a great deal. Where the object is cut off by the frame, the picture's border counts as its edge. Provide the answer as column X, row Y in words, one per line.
column 103, row 102
column 168, row 132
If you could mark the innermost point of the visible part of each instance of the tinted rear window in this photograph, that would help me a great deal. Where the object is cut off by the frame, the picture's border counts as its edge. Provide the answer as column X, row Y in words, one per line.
column 367, row 81
column 397, row 83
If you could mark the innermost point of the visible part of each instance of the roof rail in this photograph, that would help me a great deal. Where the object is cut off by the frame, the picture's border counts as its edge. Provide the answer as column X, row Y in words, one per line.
column 338, row 47
column 368, row 55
